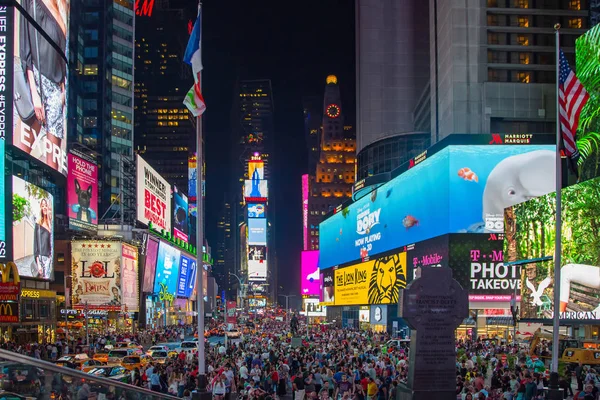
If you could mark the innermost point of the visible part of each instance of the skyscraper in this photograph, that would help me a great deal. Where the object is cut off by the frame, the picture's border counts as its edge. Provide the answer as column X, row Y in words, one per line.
column 164, row 128
column 312, row 106
column 224, row 255
column 102, row 45
column 330, row 184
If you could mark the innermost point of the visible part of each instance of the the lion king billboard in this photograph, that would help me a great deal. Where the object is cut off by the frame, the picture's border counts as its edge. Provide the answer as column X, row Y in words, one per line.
column 377, row 281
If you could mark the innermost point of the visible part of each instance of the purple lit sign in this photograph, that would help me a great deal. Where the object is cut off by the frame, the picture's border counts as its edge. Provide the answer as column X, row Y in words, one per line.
column 310, row 278
column 305, row 209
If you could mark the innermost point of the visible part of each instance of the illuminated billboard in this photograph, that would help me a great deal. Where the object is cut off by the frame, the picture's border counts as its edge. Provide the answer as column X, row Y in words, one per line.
column 32, row 229
column 6, row 110
column 256, row 190
column 257, row 270
column 129, row 279
column 327, row 287
column 458, row 189
column 153, row 197
column 82, row 193
column 531, row 234
column 257, row 252
column 257, row 231
column 310, row 279
column 180, row 215
column 305, row 211
column 167, row 272
column 313, row 308
column 96, row 270
column 150, row 264
column 184, row 276
column 40, row 80
column 254, row 303
column 256, row 170
column 377, row 281
column 256, row 210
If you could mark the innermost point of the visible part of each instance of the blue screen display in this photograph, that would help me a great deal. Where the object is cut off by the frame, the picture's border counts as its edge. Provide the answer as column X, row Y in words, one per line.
column 167, row 269
column 184, row 271
column 460, row 189
column 257, row 231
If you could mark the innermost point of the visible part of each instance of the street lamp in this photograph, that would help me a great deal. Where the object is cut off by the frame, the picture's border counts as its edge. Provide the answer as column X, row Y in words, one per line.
column 287, row 308
column 66, row 309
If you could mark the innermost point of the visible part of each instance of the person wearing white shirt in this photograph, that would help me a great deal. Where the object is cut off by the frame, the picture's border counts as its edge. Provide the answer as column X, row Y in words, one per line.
column 244, row 372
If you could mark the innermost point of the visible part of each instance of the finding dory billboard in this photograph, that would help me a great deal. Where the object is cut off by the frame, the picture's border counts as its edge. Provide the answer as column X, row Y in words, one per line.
column 453, row 188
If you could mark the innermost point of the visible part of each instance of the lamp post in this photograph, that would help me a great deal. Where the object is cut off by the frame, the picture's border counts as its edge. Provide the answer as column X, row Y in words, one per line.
column 242, row 282
column 514, row 310
column 287, row 308
column 66, row 307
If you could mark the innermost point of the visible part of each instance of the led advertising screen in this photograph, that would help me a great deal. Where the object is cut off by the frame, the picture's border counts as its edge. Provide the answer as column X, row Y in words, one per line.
column 531, row 234
column 256, row 170
column 192, row 276
column 181, row 227
column 378, row 315
column 257, row 231
column 153, row 197
column 310, row 279
column 460, row 189
column 82, row 193
column 6, row 111
column 40, row 81
column 184, row 276
column 150, row 264
column 96, row 274
column 192, row 181
column 32, row 230
column 256, row 190
column 129, row 279
column 257, row 252
column 377, row 281
column 430, row 252
column 256, row 210
column 312, row 308
column 305, row 211
column 327, row 295
column 257, row 303
column 167, row 270
column 257, row 270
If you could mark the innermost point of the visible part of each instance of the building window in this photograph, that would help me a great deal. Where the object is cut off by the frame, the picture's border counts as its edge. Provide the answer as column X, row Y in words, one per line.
column 90, row 104
column 90, row 122
column 493, row 75
column 493, row 38
column 493, row 57
column 523, row 58
column 523, row 22
column 90, row 69
column 523, row 77
column 523, row 40
column 91, row 52
column 492, row 20
column 575, row 23
column 492, row 3
column 575, row 5
column 522, row 3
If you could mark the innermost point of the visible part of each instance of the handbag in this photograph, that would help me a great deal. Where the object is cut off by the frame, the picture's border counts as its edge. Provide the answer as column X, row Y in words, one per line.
column 23, row 99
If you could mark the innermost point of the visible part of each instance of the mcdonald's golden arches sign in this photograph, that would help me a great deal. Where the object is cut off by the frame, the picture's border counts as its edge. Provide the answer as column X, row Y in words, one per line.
column 9, row 285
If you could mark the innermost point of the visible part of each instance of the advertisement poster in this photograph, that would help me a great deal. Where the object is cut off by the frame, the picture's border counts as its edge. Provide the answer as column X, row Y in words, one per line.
column 33, row 230
column 256, row 210
column 231, row 312
column 181, row 227
column 167, row 270
column 192, row 276
column 256, row 170
column 257, row 270
column 192, row 181
column 477, row 263
column 150, row 264
column 6, row 109
column 184, row 276
column 431, row 252
column 305, row 211
column 257, row 252
column 376, row 281
column 378, row 315
column 460, row 189
column 129, row 279
column 96, row 274
column 257, row 303
column 82, row 193
column 41, row 79
column 257, row 231
column 312, row 308
column 310, row 282
column 256, row 190
column 153, row 197
column 327, row 287
column 534, row 224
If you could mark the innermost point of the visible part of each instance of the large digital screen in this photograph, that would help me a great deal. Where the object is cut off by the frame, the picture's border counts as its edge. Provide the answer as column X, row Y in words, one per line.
column 257, row 270
column 256, row 210
column 376, row 281
column 460, row 189
column 153, row 197
column 184, row 276
column 40, row 81
column 256, row 190
column 257, row 303
column 167, row 270
column 310, row 279
column 96, row 270
column 531, row 235
column 129, row 279
column 180, row 215
column 192, row 181
column 327, row 295
column 257, row 231
column 305, row 211
column 150, row 264
column 32, row 230
column 257, row 252
column 312, row 308
column 256, row 170
column 6, row 111
column 82, row 193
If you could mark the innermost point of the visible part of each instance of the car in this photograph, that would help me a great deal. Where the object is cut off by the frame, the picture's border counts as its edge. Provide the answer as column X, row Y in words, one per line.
column 404, row 343
column 233, row 334
column 13, row 396
column 73, row 361
column 90, row 364
column 160, row 356
column 115, row 356
column 136, row 361
column 101, row 355
column 187, row 347
column 128, row 345
column 159, row 347
column 112, row 372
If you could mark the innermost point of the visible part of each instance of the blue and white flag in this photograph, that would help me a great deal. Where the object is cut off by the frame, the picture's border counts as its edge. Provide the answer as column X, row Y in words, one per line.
column 193, row 51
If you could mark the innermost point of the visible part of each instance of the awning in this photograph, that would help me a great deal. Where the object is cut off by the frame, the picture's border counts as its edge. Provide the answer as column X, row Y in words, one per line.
column 505, row 320
column 468, row 321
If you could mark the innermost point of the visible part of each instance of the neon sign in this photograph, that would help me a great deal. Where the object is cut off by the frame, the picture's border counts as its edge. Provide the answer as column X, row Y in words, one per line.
column 144, row 8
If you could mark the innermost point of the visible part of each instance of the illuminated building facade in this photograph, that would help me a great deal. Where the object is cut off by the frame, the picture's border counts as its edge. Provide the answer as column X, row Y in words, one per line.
column 331, row 182
column 164, row 128
column 101, row 82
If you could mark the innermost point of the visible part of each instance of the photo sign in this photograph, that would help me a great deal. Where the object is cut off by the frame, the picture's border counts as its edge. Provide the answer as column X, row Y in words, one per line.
column 153, row 197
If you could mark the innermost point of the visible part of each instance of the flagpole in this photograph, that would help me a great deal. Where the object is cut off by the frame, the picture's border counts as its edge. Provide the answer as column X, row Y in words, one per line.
column 200, row 239
column 557, row 246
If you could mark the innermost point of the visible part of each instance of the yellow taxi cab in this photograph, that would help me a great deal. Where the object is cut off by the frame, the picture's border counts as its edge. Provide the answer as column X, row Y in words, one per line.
column 117, row 355
column 91, row 364
column 101, row 355
column 135, row 361
column 74, row 361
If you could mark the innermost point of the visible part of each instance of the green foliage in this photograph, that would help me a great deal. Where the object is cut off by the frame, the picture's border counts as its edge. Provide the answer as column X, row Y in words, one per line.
column 21, row 208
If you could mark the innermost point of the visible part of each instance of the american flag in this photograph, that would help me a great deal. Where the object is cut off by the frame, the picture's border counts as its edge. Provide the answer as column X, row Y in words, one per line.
column 572, row 97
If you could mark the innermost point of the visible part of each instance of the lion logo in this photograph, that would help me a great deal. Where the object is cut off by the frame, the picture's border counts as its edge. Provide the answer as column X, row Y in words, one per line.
column 387, row 278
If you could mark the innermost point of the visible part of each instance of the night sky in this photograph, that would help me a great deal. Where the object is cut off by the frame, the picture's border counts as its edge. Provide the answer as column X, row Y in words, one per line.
column 296, row 45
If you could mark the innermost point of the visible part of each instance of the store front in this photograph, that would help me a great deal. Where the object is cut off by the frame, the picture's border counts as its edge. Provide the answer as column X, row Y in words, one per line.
column 37, row 316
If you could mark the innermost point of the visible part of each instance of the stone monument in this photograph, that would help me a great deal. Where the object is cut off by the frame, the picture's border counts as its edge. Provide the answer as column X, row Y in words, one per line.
column 433, row 305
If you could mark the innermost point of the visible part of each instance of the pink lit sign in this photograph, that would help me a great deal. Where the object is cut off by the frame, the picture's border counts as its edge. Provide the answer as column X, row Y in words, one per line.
column 305, row 209
column 310, row 278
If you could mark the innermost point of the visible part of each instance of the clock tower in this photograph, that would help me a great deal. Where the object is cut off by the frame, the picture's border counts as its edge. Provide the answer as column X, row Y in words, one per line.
column 333, row 118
